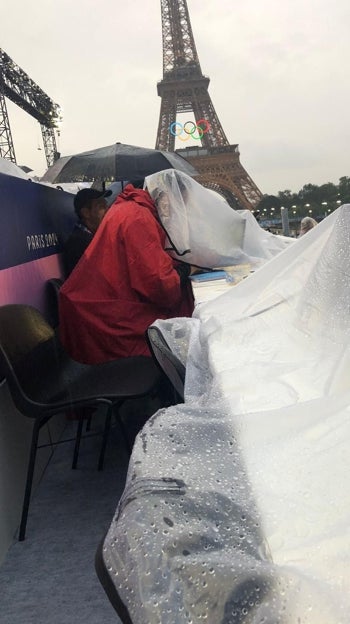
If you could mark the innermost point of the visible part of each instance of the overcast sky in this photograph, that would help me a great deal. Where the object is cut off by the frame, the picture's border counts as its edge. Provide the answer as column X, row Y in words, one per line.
column 279, row 78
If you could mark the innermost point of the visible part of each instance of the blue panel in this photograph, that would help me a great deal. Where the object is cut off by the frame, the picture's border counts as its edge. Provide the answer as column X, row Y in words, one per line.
column 209, row 277
column 35, row 220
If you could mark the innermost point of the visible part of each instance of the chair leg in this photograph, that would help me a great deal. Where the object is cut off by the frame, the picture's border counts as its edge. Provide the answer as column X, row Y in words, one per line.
column 77, row 443
column 124, row 433
column 105, row 435
column 29, row 482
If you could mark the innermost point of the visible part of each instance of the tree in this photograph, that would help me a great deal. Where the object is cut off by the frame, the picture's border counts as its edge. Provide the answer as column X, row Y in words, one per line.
column 344, row 189
column 309, row 193
column 328, row 192
column 310, row 200
column 287, row 198
column 268, row 202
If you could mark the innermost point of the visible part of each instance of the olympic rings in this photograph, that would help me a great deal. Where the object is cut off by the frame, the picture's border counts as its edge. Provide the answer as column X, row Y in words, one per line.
column 177, row 129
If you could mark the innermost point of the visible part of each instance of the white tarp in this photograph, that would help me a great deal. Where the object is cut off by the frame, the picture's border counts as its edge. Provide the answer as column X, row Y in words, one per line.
column 10, row 168
column 203, row 230
column 237, row 503
column 68, row 187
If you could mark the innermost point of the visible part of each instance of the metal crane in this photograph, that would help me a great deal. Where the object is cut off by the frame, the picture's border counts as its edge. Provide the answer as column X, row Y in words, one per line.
column 18, row 87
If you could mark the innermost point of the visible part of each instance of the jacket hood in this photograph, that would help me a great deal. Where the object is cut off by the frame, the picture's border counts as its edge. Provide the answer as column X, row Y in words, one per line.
column 139, row 196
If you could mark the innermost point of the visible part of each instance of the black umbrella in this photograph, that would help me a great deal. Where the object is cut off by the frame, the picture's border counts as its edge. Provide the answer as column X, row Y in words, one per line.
column 115, row 162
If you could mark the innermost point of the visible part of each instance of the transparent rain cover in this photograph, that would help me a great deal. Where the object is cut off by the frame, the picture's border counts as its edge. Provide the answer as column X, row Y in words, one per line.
column 203, row 230
column 237, row 506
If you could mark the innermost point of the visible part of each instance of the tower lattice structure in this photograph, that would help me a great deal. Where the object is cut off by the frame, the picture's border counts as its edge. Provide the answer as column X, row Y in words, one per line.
column 18, row 87
column 184, row 89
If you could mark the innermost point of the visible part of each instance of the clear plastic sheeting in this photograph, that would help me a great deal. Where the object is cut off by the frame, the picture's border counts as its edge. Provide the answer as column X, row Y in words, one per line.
column 181, row 548
column 203, row 230
column 10, row 168
column 293, row 327
column 237, row 507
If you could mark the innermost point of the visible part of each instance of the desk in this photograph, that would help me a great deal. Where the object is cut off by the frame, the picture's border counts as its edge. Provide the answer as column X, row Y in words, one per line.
column 211, row 289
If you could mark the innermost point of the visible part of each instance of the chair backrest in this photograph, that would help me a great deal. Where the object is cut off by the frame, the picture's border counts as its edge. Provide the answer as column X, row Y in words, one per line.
column 27, row 343
column 53, row 286
column 168, row 362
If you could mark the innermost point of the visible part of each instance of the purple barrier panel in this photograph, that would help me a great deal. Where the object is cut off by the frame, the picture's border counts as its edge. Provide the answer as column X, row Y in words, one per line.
column 25, row 283
column 35, row 221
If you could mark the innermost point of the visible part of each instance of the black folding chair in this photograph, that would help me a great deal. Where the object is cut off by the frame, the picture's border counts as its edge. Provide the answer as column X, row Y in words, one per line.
column 52, row 288
column 43, row 381
column 167, row 361
column 109, row 587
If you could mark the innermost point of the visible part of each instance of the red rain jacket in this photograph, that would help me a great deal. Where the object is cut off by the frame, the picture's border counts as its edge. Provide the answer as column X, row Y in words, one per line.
column 123, row 282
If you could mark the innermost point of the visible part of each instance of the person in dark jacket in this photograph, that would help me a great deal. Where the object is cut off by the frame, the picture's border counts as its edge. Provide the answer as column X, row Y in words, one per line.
column 124, row 281
column 90, row 207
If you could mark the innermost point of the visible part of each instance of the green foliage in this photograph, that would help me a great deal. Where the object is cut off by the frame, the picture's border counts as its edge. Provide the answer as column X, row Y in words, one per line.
column 344, row 189
column 314, row 200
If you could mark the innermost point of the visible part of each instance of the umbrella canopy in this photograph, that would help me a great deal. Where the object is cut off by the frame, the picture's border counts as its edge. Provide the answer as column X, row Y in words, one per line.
column 116, row 162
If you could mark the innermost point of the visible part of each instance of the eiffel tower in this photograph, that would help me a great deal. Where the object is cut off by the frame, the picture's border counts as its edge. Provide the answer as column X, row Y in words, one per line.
column 184, row 89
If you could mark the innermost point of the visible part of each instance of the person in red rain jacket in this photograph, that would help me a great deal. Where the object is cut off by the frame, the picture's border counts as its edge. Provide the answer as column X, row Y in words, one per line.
column 123, row 282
